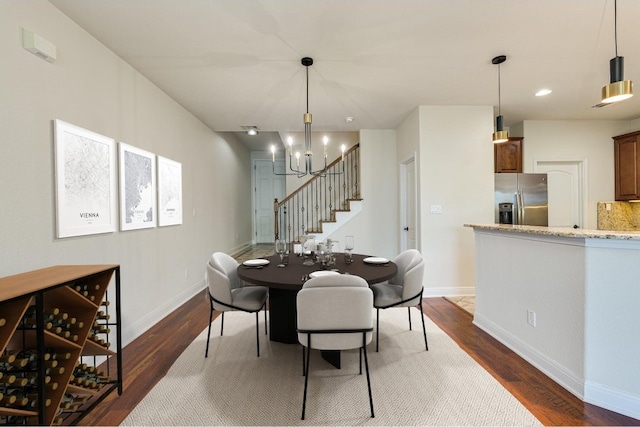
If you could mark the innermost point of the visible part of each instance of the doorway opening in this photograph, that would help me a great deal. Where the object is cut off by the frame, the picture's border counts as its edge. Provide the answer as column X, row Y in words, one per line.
column 408, row 204
column 567, row 187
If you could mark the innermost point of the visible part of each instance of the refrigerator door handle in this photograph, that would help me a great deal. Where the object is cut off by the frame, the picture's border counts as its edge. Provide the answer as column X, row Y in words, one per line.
column 516, row 209
column 520, row 208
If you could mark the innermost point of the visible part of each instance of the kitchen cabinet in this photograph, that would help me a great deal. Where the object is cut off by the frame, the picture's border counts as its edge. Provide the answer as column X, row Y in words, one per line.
column 55, row 355
column 627, row 166
column 507, row 156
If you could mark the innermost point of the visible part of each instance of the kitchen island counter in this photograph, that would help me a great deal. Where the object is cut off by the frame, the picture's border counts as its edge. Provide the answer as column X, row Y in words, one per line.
column 568, row 301
column 560, row 231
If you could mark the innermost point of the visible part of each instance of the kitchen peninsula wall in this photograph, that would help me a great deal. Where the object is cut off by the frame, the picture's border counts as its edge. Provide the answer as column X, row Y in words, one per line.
column 619, row 216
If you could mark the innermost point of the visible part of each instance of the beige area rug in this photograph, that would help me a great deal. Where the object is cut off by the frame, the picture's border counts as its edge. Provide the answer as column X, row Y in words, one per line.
column 411, row 386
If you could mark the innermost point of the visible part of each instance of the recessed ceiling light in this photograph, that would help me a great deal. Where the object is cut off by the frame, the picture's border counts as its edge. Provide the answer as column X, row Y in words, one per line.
column 348, row 119
column 543, row 92
column 251, row 130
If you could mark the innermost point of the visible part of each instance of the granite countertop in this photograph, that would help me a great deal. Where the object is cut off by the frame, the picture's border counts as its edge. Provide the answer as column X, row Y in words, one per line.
column 560, row 231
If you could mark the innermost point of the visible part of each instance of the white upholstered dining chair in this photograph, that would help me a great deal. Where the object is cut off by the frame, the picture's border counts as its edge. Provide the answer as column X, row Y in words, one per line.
column 227, row 292
column 335, row 313
column 403, row 290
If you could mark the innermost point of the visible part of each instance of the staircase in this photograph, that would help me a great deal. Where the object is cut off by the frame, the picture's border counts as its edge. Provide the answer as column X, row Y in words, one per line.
column 323, row 203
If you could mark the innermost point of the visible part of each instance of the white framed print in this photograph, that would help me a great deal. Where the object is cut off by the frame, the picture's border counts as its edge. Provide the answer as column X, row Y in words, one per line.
column 85, row 181
column 169, row 192
column 137, row 188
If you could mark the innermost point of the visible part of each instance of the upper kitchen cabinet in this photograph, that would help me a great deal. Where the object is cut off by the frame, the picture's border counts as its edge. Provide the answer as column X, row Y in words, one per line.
column 627, row 166
column 507, row 156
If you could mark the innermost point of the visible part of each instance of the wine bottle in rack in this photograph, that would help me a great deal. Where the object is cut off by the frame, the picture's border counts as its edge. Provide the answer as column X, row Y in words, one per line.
column 76, row 399
column 13, row 390
column 89, row 376
column 9, row 362
column 33, row 401
column 56, row 322
column 32, row 377
column 32, row 355
column 3, row 321
column 101, row 315
column 7, row 379
column 8, row 400
column 87, row 290
column 13, row 381
column 49, row 314
column 19, row 401
column 70, row 403
column 84, row 382
column 62, row 355
column 51, row 386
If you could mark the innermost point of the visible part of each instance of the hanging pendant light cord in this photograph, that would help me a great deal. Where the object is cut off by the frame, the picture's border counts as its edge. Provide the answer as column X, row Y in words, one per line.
column 615, row 24
column 499, row 113
column 307, row 69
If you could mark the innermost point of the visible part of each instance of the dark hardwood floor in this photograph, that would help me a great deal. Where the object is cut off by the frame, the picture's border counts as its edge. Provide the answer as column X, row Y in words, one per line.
column 147, row 359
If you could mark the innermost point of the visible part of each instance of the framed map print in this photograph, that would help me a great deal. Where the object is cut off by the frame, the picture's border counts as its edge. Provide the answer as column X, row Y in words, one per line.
column 85, row 181
column 137, row 188
column 169, row 192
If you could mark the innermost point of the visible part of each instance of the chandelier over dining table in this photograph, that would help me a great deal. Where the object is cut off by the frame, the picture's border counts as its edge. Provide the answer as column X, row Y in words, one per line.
column 308, row 153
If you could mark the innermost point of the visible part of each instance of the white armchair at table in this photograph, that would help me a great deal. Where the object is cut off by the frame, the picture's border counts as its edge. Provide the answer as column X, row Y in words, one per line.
column 335, row 313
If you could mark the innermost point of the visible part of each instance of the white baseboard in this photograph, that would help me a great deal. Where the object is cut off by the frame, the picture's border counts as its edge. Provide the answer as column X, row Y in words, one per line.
column 132, row 331
column 449, row 292
column 240, row 248
column 614, row 400
column 548, row 366
column 587, row 391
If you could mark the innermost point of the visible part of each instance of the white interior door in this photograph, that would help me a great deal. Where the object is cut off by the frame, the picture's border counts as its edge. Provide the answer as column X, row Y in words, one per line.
column 267, row 187
column 565, row 181
column 408, row 204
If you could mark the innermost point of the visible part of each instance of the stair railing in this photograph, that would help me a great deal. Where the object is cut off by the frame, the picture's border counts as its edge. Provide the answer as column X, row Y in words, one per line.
column 316, row 201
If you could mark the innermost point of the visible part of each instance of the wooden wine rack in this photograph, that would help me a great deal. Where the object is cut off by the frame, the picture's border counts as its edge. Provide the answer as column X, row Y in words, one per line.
column 46, row 289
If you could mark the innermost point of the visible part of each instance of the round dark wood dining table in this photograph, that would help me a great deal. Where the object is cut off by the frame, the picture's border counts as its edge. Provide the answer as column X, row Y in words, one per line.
column 285, row 282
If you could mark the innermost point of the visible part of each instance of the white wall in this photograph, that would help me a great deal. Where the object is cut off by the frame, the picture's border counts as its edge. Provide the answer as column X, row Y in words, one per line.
column 376, row 228
column 519, row 272
column 611, row 318
column 583, row 294
column 577, row 140
column 456, row 172
column 91, row 87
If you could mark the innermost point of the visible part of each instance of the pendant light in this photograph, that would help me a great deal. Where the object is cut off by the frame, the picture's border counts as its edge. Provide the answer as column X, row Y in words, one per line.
column 500, row 135
column 308, row 154
column 618, row 89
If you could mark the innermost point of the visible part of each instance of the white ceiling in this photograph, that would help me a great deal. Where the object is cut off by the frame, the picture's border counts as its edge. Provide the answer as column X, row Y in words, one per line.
column 234, row 63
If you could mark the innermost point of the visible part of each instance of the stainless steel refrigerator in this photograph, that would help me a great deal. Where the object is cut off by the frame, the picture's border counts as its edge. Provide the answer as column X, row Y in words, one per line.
column 521, row 199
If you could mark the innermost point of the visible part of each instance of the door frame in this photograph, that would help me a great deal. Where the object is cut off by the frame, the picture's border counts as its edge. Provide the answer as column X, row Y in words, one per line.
column 583, row 192
column 402, row 170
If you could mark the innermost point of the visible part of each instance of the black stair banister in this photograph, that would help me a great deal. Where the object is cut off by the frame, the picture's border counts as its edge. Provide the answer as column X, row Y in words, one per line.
column 317, row 200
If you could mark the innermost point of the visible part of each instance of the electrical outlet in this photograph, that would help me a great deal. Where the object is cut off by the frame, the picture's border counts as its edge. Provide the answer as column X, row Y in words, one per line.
column 531, row 318
column 186, row 274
